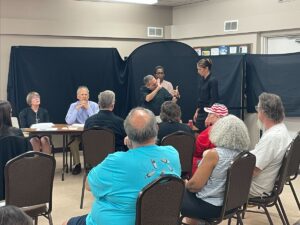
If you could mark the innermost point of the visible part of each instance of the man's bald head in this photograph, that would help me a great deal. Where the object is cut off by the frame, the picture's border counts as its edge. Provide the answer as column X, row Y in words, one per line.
column 140, row 125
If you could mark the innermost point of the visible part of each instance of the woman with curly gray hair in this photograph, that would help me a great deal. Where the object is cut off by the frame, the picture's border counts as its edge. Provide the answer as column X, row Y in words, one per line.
column 205, row 190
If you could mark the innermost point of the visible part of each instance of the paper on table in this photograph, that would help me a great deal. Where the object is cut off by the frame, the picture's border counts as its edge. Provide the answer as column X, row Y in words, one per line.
column 77, row 125
column 42, row 125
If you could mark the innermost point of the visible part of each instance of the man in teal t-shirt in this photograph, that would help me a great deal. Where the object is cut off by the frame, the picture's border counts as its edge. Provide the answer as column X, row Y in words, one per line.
column 117, row 181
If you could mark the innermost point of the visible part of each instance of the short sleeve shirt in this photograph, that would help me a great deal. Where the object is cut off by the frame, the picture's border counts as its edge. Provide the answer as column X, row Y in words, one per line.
column 269, row 153
column 117, row 181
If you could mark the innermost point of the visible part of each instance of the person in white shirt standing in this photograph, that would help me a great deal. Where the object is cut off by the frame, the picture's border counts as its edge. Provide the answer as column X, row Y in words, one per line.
column 272, row 146
column 159, row 73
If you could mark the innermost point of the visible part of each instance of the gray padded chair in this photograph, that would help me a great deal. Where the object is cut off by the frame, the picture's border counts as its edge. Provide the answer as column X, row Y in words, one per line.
column 29, row 184
column 184, row 143
column 237, row 188
column 274, row 198
column 97, row 143
column 294, row 167
column 160, row 201
column 10, row 147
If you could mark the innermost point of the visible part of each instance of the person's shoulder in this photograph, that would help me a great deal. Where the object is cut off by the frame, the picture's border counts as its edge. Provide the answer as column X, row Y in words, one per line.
column 25, row 110
column 168, row 82
column 168, row 148
column 73, row 104
column 185, row 127
column 93, row 103
column 43, row 110
column 277, row 131
column 91, row 118
column 211, row 154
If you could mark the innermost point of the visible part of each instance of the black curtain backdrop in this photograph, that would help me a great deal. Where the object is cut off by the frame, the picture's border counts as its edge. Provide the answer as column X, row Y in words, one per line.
column 277, row 74
column 179, row 61
column 56, row 74
column 228, row 70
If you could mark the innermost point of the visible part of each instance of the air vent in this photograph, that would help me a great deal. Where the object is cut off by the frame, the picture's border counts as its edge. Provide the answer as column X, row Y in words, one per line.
column 155, row 32
column 231, row 25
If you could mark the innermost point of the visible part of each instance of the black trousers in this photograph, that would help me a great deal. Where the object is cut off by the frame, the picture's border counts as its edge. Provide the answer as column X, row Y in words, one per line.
column 196, row 208
column 200, row 121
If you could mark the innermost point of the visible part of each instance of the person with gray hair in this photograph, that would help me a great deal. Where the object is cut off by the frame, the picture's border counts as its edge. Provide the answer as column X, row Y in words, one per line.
column 170, row 115
column 12, row 215
column 107, row 119
column 272, row 146
column 204, row 194
column 118, row 179
column 32, row 115
column 153, row 95
column 78, row 112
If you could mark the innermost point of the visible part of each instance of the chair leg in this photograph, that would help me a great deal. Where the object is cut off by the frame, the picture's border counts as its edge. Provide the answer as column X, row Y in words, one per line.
column 283, row 211
column 268, row 215
column 294, row 193
column 83, row 189
column 280, row 213
column 229, row 221
column 239, row 219
column 36, row 221
column 50, row 219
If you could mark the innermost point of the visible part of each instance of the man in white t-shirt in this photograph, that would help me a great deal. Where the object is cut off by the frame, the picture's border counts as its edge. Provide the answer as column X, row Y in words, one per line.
column 272, row 146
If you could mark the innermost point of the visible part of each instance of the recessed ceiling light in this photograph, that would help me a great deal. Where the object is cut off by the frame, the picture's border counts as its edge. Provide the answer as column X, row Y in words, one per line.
column 148, row 2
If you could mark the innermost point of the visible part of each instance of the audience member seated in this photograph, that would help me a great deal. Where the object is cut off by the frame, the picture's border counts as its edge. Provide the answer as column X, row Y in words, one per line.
column 117, row 181
column 159, row 73
column 32, row 115
column 10, row 147
column 153, row 95
column 272, row 146
column 6, row 128
column 203, row 143
column 170, row 115
column 204, row 194
column 106, row 118
column 11, row 215
column 78, row 112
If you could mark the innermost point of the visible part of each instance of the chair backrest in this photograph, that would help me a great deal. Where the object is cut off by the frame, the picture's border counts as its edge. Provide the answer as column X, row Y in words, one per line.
column 295, row 158
column 10, row 147
column 184, row 143
column 283, row 173
column 239, row 178
column 29, row 180
column 97, row 144
column 160, row 201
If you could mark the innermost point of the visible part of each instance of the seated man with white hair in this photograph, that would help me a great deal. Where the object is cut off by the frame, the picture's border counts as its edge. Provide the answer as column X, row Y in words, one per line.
column 107, row 119
column 272, row 146
column 117, row 181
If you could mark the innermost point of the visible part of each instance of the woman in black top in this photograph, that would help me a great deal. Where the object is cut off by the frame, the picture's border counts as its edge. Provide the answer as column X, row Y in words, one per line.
column 6, row 128
column 208, row 92
column 32, row 115
column 170, row 115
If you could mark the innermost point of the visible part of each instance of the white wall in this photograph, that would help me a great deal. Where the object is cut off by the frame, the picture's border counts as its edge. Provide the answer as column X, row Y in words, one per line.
column 207, row 18
column 75, row 24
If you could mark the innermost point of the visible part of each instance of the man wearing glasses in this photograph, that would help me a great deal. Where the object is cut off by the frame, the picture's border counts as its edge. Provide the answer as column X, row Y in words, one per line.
column 271, row 148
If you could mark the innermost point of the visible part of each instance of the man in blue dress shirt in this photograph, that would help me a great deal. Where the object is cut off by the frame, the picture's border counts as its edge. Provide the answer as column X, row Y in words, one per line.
column 78, row 112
